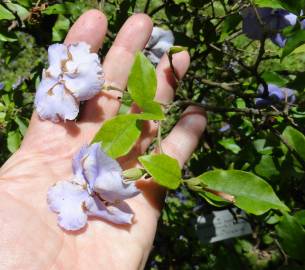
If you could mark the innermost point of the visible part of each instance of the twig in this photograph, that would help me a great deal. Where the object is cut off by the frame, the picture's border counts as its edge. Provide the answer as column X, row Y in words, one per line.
column 146, row 8
column 170, row 58
column 157, row 9
column 225, row 86
column 219, row 109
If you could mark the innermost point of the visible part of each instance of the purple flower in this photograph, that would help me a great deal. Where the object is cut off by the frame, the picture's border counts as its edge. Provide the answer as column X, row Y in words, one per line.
column 97, row 189
column 274, row 20
column 159, row 43
column 275, row 95
column 74, row 74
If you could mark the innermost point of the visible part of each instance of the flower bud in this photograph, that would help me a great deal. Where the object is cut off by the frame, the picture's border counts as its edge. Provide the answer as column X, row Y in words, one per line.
column 133, row 173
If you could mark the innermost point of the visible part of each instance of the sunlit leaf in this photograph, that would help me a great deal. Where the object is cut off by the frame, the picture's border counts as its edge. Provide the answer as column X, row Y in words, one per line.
column 142, row 86
column 164, row 169
column 251, row 193
column 118, row 135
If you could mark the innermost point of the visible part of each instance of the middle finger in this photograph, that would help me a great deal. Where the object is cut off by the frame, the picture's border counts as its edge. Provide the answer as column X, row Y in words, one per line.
column 131, row 38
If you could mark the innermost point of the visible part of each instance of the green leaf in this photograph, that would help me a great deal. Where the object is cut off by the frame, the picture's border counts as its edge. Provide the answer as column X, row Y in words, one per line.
column 292, row 237
column 273, row 77
column 60, row 28
column 266, row 167
column 230, row 144
column 213, row 199
column 293, row 42
column 6, row 14
column 13, row 141
column 142, row 86
column 176, row 49
column 66, row 8
column 22, row 126
column 300, row 216
column 7, row 37
column 269, row 3
column 25, row 3
column 118, row 135
column 22, row 12
column 295, row 139
column 164, row 169
column 251, row 193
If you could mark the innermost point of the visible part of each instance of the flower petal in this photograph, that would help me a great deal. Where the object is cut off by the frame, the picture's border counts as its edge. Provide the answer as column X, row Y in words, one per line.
column 67, row 199
column 109, row 182
column 57, row 53
column 159, row 43
column 84, row 74
column 77, row 165
column 118, row 214
column 54, row 102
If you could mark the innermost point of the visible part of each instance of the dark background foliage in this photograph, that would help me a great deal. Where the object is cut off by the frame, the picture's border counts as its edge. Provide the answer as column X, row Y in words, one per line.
column 226, row 70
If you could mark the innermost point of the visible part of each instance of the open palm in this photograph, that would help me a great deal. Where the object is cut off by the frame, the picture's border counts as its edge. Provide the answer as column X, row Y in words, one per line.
column 30, row 237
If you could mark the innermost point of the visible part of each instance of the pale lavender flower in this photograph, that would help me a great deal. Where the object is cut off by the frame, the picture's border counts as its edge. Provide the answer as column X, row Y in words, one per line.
column 274, row 20
column 159, row 43
column 97, row 189
column 74, row 74
column 276, row 94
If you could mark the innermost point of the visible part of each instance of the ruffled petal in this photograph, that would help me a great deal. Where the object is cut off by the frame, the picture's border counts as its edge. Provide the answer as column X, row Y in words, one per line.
column 77, row 165
column 68, row 199
column 83, row 75
column 55, row 102
column 118, row 214
column 109, row 182
column 87, row 83
column 91, row 164
column 57, row 53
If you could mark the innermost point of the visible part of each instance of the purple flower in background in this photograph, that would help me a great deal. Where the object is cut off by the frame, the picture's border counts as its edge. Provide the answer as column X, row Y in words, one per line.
column 276, row 95
column 274, row 21
column 225, row 128
column 159, row 43
column 97, row 189
column 74, row 74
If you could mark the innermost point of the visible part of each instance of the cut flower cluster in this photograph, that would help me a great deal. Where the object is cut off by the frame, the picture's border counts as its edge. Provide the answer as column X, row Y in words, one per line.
column 97, row 189
column 74, row 75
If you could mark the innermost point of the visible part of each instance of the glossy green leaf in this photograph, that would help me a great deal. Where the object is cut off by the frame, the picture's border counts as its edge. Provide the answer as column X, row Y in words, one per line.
column 22, row 12
column 60, row 28
column 300, row 216
column 74, row 9
column 269, row 3
column 164, row 169
column 7, row 37
column 13, row 141
column 230, row 144
column 176, row 49
column 251, row 193
column 293, row 42
column 21, row 125
column 118, row 135
column 292, row 237
column 25, row 3
column 142, row 86
column 266, row 167
column 296, row 140
column 6, row 14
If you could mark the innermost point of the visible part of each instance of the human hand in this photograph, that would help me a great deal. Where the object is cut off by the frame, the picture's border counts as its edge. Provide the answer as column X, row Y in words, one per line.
column 30, row 237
